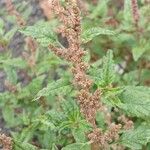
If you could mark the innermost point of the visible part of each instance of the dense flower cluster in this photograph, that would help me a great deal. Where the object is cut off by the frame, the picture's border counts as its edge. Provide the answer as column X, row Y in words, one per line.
column 6, row 142
column 89, row 101
column 70, row 16
column 103, row 138
column 135, row 11
column 128, row 124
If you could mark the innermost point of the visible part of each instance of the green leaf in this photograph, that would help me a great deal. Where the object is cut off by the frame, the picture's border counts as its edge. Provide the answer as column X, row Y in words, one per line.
column 23, row 146
column 10, row 34
column 14, row 62
column 54, row 147
column 95, row 74
column 71, row 111
column 91, row 33
column 9, row 115
column 27, row 133
column 79, row 135
column 1, row 26
column 100, row 9
column 100, row 120
column 104, row 76
column 46, row 122
column 6, row 96
column 127, row 11
column 110, row 96
column 61, row 86
column 136, row 138
column 136, row 101
column 42, row 32
column 11, row 74
column 108, row 69
column 132, row 77
column 31, row 89
column 77, row 146
column 139, row 49
column 24, row 7
column 1, row 23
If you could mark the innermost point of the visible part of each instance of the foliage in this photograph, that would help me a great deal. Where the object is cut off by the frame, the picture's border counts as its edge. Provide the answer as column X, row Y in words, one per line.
column 89, row 34
column 135, row 101
column 77, row 146
column 59, row 86
column 38, row 100
column 134, row 139
column 40, row 31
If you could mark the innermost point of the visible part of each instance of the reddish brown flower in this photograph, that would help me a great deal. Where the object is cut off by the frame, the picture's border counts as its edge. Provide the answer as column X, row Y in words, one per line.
column 6, row 142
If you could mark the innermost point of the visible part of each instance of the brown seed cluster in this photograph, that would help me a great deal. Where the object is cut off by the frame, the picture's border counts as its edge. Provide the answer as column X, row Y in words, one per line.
column 147, row 1
column 97, row 136
column 6, row 142
column 71, row 28
column 128, row 124
column 104, row 138
column 10, row 87
column 89, row 101
column 95, row 2
column 112, row 133
column 89, row 104
column 135, row 11
column 30, row 56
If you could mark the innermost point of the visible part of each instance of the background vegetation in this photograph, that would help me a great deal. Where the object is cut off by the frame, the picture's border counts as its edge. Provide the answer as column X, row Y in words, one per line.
column 38, row 107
